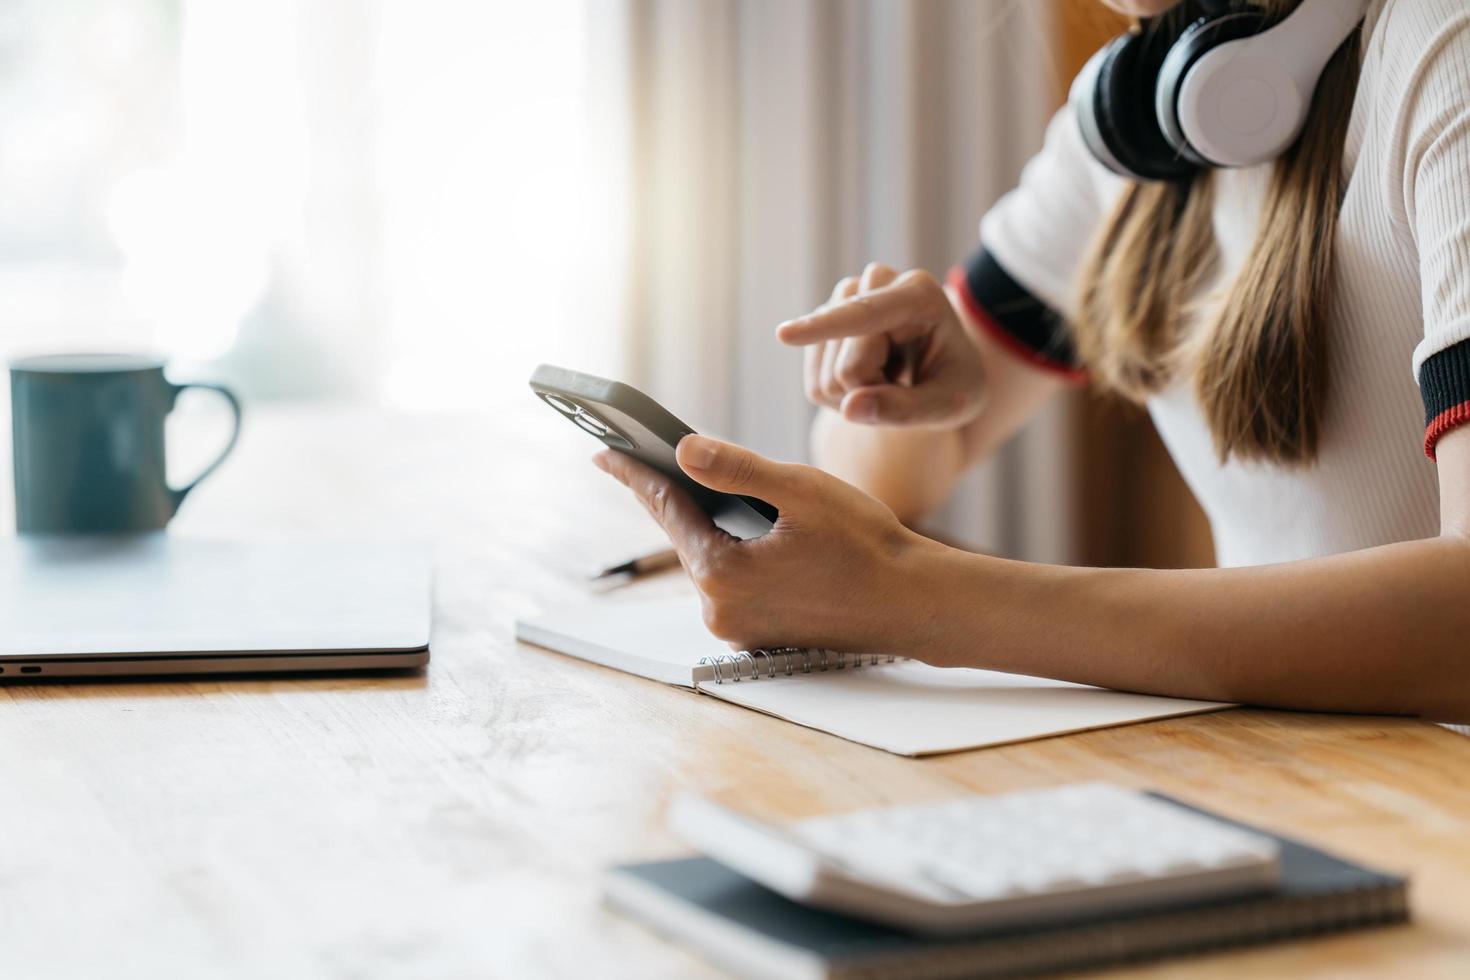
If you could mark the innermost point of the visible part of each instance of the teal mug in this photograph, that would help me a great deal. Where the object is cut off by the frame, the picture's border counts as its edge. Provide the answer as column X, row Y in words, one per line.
column 88, row 443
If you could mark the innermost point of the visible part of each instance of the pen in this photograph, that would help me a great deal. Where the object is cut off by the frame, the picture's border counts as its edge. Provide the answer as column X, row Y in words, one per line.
column 633, row 568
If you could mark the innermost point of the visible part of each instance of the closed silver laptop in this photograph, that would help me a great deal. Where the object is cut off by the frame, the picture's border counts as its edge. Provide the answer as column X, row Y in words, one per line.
column 165, row 604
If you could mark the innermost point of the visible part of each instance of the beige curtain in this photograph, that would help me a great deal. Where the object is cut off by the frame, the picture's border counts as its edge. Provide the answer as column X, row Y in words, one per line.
column 765, row 148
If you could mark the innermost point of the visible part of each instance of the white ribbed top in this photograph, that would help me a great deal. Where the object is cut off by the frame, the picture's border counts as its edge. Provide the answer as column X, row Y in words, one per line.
column 1402, row 293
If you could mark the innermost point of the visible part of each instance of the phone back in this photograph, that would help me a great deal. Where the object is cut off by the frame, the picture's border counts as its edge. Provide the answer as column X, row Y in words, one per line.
column 623, row 418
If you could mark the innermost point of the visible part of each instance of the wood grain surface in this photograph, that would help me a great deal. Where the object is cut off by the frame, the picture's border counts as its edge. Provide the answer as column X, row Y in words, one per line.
column 453, row 823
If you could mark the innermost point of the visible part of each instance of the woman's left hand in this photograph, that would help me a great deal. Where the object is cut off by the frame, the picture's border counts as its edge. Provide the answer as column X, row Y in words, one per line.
column 838, row 571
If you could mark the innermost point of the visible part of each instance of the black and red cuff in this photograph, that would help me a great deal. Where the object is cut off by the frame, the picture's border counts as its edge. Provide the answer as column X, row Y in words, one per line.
column 1015, row 318
column 1444, row 382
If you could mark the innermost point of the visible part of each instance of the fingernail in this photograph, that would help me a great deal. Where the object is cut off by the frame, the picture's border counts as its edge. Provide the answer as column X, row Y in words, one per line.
column 700, row 453
column 865, row 410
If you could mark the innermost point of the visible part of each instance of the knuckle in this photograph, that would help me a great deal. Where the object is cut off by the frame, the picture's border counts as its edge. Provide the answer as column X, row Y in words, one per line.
column 877, row 273
column 919, row 279
column 928, row 291
column 858, row 363
column 710, row 570
column 696, row 566
column 830, row 386
column 845, row 285
column 742, row 470
column 658, row 501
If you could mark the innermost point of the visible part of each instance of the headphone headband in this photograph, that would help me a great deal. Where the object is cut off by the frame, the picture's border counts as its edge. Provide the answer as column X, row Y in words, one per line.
column 1310, row 35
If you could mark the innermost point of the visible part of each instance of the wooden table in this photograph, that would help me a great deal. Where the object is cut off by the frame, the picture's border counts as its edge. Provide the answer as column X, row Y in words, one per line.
column 454, row 823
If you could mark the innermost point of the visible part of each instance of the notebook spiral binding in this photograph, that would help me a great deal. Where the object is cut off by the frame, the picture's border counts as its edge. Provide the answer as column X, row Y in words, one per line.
column 787, row 660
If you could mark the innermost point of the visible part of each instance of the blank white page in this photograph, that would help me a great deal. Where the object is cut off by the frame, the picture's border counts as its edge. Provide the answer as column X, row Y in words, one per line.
column 911, row 708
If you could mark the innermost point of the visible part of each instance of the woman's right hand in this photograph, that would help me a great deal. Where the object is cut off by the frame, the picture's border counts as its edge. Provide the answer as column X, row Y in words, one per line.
column 889, row 349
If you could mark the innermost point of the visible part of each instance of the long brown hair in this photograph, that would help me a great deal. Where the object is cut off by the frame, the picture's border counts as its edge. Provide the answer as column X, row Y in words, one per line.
column 1258, row 360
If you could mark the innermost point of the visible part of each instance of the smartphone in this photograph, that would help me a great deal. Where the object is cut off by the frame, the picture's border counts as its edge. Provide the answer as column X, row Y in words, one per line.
column 623, row 418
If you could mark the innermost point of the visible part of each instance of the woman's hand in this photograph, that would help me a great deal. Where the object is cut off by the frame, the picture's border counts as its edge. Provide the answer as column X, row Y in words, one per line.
column 889, row 349
column 838, row 571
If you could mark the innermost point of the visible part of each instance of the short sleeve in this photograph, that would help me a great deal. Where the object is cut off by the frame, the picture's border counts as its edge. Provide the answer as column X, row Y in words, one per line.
column 1019, row 281
column 1427, row 42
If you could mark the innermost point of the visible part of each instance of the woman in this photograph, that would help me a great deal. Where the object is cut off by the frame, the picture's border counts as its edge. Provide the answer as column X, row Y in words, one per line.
column 1268, row 316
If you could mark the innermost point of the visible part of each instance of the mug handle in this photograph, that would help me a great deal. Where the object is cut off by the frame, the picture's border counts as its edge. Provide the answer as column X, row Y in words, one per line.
column 229, row 396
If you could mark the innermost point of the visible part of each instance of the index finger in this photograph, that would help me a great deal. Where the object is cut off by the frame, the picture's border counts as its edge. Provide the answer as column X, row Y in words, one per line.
column 905, row 303
column 689, row 528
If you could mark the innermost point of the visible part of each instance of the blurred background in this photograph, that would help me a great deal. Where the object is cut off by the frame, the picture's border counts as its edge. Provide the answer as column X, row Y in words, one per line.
column 409, row 203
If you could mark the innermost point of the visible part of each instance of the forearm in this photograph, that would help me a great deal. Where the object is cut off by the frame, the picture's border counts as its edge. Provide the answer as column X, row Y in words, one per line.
column 910, row 470
column 1385, row 630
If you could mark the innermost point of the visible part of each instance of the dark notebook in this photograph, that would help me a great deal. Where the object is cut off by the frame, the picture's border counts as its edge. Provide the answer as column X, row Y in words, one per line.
column 742, row 927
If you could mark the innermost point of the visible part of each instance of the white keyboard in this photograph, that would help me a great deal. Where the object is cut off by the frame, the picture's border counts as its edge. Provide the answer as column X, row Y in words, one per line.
column 982, row 862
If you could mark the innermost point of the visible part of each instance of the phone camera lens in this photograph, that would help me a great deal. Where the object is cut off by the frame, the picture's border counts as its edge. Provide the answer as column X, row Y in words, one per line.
column 591, row 423
column 561, row 405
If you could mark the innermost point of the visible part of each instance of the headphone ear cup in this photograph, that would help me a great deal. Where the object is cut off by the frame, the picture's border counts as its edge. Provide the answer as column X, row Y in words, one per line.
column 1126, row 121
column 1084, row 102
column 1197, row 40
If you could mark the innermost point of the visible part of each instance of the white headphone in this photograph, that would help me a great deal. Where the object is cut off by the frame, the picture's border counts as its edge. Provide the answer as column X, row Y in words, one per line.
column 1232, row 90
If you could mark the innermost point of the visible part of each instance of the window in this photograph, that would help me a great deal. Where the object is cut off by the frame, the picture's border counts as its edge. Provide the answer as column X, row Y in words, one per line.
column 382, row 200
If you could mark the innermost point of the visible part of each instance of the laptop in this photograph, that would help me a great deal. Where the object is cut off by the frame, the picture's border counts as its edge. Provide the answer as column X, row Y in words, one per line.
column 77, row 606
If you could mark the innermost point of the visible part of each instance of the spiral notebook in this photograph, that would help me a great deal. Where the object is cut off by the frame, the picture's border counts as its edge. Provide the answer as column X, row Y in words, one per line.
column 890, row 702
column 753, row 932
